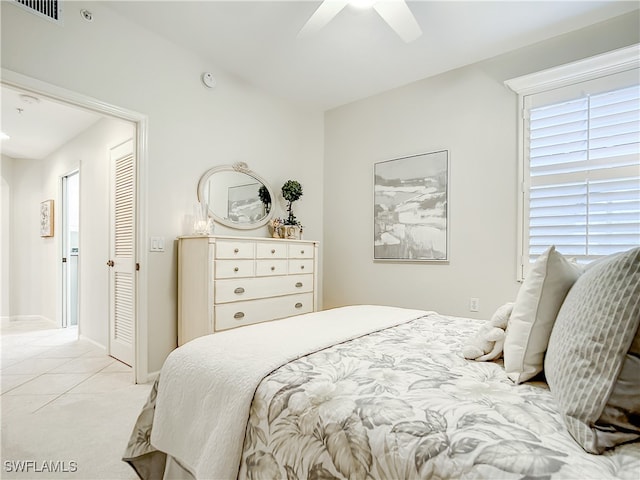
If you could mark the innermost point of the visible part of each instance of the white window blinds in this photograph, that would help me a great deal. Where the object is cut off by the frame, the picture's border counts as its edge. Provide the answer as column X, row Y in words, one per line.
column 584, row 175
column 579, row 157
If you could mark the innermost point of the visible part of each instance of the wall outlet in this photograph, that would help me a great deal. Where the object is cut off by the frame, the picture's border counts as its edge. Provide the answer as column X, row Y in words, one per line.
column 474, row 304
column 156, row 244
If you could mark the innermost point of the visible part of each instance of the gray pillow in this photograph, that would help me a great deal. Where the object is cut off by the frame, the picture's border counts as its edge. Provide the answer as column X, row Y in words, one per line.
column 592, row 362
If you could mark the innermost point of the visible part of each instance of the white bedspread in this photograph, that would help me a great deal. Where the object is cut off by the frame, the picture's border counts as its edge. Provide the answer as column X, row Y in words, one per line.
column 207, row 435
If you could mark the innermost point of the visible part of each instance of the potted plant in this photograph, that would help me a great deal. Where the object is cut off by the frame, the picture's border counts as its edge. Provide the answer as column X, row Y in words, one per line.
column 289, row 227
column 291, row 192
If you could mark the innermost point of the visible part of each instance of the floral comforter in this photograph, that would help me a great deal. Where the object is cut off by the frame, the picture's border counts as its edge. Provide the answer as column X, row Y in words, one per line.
column 403, row 403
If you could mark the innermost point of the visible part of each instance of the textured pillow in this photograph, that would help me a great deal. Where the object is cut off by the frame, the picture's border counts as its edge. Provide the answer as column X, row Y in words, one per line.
column 593, row 360
column 537, row 304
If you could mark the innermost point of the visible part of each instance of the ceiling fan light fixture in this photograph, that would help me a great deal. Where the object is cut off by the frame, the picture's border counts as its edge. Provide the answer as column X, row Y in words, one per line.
column 362, row 4
column 400, row 19
column 395, row 12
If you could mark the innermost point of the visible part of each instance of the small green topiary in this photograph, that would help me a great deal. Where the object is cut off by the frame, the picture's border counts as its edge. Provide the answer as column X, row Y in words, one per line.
column 291, row 191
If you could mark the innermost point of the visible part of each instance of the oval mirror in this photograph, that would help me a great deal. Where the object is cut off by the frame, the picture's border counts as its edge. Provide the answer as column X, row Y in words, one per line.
column 236, row 196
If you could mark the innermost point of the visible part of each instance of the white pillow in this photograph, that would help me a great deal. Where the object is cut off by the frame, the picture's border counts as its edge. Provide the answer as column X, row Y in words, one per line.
column 534, row 313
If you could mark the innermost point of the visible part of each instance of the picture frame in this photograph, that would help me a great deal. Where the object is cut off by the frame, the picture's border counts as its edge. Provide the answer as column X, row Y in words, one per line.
column 46, row 218
column 411, row 208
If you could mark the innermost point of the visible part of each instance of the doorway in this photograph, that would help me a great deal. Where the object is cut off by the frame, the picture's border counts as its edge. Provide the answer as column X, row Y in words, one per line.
column 140, row 124
column 70, row 247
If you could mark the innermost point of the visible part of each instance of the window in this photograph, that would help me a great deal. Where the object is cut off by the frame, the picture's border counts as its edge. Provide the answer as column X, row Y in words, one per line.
column 580, row 159
column 584, row 178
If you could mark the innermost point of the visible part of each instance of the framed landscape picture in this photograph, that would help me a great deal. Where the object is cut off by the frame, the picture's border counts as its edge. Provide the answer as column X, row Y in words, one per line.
column 411, row 208
column 46, row 218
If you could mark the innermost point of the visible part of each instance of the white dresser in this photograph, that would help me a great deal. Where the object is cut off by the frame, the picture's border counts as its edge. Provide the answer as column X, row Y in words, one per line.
column 226, row 282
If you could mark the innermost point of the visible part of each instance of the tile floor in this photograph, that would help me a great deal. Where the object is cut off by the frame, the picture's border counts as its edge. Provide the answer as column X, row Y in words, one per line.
column 64, row 400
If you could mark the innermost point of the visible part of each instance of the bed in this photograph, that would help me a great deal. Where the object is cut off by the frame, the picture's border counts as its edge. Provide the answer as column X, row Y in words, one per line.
column 356, row 392
column 379, row 392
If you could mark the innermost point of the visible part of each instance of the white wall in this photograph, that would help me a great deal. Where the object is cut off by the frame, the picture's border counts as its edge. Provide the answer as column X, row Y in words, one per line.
column 34, row 269
column 6, row 176
column 27, row 248
column 191, row 128
column 470, row 113
column 89, row 152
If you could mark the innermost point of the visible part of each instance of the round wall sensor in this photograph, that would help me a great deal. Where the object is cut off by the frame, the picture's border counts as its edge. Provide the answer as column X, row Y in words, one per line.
column 87, row 15
column 208, row 80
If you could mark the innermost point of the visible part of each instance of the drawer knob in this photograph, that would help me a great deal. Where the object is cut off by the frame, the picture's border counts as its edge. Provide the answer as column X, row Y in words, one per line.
column 238, row 315
column 273, row 268
column 298, row 284
column 236, row 269
column 298, row 305
column 239, row 290
column 235, row 250
column 302, row 252
column 273, row 250
column 301, row 267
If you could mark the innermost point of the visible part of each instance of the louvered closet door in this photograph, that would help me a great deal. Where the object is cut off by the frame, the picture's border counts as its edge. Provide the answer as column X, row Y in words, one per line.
column 123, row 269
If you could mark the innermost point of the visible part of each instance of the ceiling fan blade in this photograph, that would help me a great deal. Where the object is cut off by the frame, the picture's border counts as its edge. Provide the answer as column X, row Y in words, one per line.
column 397, row 14
column 323, row 15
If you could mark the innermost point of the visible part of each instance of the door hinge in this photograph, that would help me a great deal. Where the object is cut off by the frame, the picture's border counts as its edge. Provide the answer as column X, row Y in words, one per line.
column 64, row 259
column 137, row 267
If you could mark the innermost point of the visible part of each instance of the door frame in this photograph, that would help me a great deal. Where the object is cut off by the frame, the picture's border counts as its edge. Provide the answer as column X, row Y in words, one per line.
column 64, row 247
column 141, row 122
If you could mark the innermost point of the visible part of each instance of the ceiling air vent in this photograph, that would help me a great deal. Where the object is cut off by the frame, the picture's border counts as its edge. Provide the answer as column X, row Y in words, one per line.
column 49, row 9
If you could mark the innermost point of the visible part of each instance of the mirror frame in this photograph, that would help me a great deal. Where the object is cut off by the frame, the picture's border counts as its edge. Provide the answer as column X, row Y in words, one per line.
column 239, row 167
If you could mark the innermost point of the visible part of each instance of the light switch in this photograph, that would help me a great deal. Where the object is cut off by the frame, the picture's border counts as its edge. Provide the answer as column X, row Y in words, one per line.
column 156, row 244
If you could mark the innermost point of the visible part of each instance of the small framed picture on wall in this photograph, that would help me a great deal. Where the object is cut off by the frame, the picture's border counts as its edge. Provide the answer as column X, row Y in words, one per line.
column 46, row 218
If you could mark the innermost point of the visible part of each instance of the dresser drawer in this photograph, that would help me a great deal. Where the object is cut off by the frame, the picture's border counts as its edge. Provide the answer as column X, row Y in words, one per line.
column 257, row 278
column 300, row 266
column 301, row 250
column 271, row 267
column 271, row 250
column 239, row 289
column 235, row 268
column 230, row 315
column 235, row 249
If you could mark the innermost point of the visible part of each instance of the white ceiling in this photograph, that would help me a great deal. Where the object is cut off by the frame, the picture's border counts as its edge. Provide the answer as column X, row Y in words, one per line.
column 355, row 56
column 37, row 125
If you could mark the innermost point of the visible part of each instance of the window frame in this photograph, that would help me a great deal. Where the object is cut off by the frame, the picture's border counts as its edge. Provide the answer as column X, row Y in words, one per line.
column 610, row 63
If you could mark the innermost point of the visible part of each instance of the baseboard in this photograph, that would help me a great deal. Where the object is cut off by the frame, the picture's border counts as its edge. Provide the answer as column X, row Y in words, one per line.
column 148, row 378
column 13, row 319
column 151, row 377
column 93, row 342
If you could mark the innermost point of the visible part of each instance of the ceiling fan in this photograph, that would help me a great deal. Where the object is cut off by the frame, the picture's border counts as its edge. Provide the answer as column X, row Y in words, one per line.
column 395, row 12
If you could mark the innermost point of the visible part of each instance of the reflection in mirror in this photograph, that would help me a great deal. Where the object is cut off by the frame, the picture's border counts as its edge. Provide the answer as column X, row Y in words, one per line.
column 244, row 203
column 237, row 197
